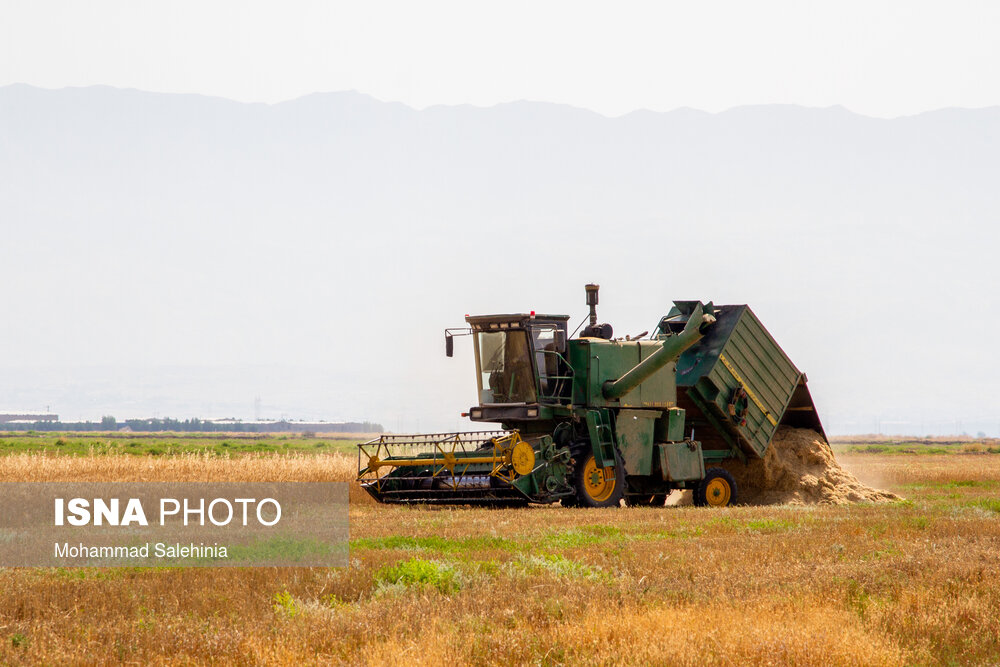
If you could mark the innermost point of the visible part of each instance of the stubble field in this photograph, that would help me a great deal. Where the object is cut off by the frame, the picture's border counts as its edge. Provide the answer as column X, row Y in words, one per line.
column 913, row 582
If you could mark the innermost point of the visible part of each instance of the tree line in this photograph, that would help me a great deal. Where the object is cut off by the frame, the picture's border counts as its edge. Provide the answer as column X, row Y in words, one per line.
column 110, row 423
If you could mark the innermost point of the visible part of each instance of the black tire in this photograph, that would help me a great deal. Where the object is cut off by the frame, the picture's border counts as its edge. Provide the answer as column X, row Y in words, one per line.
column 590, row 494
column 718, row 489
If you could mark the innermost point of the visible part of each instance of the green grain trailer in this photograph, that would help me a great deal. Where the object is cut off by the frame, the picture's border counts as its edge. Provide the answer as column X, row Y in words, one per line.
column 594, row 420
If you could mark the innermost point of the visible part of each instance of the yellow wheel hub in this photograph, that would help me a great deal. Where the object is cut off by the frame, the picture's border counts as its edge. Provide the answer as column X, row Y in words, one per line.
column 522, row 458
column 599, row 483
column 718, row 492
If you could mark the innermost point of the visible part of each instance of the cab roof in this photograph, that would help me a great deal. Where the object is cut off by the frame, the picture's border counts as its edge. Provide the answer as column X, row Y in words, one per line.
column 519, row 320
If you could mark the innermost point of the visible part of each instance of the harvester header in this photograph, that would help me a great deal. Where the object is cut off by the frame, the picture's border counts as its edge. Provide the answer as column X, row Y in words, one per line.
column 603, row 418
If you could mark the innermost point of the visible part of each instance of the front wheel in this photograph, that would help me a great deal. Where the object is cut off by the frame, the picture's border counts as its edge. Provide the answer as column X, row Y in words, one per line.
column 597, row 486
column 718, row 489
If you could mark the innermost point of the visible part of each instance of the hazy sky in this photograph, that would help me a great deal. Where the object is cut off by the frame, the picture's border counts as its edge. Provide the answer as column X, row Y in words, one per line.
column 876, row 58
column 205, row 191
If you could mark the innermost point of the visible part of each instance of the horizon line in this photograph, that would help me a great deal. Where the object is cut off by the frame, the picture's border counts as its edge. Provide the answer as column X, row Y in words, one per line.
column 480, row 107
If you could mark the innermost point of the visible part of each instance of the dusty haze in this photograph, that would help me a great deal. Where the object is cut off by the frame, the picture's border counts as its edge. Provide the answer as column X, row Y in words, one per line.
column 181, row 255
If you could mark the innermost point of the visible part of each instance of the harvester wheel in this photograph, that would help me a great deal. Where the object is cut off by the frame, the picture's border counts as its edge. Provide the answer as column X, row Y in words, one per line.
column 718, row 489
column 596, row 486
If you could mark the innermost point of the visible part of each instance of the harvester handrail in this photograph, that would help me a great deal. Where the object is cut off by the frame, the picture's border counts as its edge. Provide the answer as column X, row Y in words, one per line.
column 554, row 398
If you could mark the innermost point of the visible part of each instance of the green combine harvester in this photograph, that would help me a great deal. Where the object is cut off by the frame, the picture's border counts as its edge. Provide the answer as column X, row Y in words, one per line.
column 594, row 420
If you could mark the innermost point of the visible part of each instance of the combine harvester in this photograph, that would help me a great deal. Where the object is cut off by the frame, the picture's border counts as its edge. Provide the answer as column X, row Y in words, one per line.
column 593, row 420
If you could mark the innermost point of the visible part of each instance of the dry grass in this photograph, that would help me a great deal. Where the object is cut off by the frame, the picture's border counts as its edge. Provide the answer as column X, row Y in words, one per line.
column 41, row 467
column 905, row 583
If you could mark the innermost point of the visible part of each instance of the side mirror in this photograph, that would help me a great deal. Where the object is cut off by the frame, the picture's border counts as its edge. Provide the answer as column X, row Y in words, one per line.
column 449, row 344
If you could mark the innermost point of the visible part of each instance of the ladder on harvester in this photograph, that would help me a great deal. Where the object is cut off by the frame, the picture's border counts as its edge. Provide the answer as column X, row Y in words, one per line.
column 602, row 437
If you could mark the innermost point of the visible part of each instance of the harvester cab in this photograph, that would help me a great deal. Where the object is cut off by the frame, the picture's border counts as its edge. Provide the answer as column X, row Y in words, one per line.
column 595, row 420
column 520, row 359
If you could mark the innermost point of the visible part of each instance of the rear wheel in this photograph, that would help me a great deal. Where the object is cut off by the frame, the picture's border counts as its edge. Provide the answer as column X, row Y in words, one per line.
column 718, row 489
column 597, row 486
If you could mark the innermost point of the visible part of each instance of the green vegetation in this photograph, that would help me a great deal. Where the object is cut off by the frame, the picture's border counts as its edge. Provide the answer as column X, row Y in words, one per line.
column 989, row 504
column 972, row 484
column 152, row 444
column 285, row 604
column 579, row 537
column 576, row 538
column 433, row 543
column 917, row 447
column 418, row 573
column 277, row 549
column 561, row 566
column 769, row 525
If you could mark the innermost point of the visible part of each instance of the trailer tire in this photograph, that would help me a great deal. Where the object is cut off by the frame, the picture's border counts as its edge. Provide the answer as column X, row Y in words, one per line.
column 593, row 488
column 718, row 489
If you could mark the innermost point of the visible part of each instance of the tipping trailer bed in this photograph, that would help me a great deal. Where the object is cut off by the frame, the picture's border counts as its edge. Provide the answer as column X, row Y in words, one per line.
column 736, row 354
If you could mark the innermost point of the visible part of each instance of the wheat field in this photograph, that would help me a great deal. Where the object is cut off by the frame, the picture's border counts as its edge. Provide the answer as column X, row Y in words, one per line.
column 912, row 582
